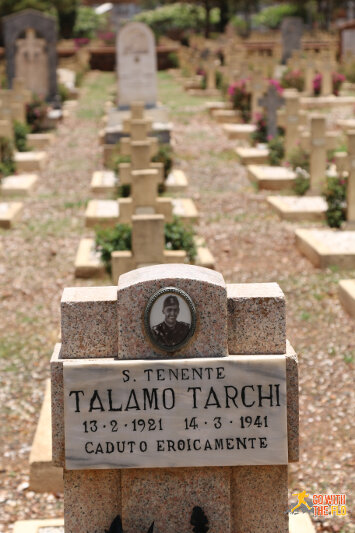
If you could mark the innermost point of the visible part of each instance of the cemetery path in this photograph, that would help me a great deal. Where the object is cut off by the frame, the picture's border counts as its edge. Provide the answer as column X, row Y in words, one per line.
column 250, row 244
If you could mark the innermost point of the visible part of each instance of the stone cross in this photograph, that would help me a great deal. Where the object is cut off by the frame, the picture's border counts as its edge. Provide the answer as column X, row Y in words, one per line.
column 257, row 86
column 271, row 101
column 292, row 121
column 6, row 129
column 32, row 62
column 310, row 73
column 171, row 370
column 350, row 193
column 211, row 74
column 326, row 69
column 141, row 153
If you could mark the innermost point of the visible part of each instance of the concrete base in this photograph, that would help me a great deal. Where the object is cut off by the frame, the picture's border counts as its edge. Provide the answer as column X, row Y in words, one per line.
column 271, row 178
column 35, row 526
column 106, row 213
column 213, row 106
column 103, row 182
column 298, row 208
column 239, row 131
column 21, row 185
column 228, row 116
column 30, row 161
column 252, row 156
column 300, row 523
column 327, row 247
column 204, row 257
column 44, row 477
column 40, row 141
column 9, row 212
column 346, row 292
column 87, row 261
column 316, row 102
column 161, row 127
column 176, row 181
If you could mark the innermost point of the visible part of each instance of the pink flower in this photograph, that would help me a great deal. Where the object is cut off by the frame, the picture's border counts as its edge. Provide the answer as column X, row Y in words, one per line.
column 276, row 84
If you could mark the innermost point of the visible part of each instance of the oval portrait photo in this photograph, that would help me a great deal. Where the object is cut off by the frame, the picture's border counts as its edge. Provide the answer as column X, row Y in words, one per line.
column 170, row 318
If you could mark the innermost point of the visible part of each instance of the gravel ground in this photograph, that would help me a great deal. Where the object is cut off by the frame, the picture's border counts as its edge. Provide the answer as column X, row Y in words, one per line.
column 250, row 244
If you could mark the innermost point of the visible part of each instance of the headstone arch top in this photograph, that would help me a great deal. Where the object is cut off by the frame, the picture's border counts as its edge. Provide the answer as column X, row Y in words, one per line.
column 204, row 287
column 45, row 27
column 137, row 65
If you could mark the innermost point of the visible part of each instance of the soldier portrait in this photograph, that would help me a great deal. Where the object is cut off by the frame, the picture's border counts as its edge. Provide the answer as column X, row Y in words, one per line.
column 170, row 319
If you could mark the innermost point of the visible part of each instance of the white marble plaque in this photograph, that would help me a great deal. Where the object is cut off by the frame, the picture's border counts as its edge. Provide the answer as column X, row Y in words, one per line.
column 188, row 412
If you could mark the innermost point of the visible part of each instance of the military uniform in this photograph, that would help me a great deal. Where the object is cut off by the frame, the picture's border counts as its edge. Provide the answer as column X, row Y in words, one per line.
column 170, row 336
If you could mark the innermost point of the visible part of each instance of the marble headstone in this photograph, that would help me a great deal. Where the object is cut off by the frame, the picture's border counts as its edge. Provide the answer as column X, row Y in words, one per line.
column 137, row 65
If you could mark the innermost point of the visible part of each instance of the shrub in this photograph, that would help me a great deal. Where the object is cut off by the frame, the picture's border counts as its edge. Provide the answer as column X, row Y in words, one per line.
column 64, row 92
column 272, row 16
column 240, row 98
column 301, row 183
column 36, row 114
column 299, row 158
column 292, row 79
column 337, row 81
column 276, row 150
column 335, row 196
column 20, row 131
column 260, row 134
column 164, row 155
column 349, row 70
column 117, row 160
column 119, row 238
column 87, row 23
column 240, row 25
column 7, row 164
column 173, row 59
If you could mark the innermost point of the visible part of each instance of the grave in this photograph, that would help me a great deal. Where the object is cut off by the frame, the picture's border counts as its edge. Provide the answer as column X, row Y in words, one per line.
column 270, row 102
column 103, row 182
column 291, row 35
column 272, row 178
column 241, row 132
column 21, row 185
column 327, row 247
column 32, row 57
column 137, row 81
column 298, row 208
column 9, row 213
column 176, row 181
column 235, row 331
column 217, row 105
column 40, row 141
column 257, row 87
column 253, row 155
column 88, row 261
column 28, row 162
column 346, row 292
column 227, row 116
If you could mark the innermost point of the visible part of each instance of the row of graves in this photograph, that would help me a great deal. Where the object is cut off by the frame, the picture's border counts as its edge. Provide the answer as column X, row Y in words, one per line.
column 30, row 108
column 173, row 401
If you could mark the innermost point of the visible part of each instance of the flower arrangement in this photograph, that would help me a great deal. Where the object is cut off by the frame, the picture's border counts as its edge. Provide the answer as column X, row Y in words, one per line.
column 240, row 98
column 260, row 134
column 36, row 114
column 293, row 79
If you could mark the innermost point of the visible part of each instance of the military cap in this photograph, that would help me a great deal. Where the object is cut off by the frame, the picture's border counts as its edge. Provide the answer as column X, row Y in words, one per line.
column 170, row 300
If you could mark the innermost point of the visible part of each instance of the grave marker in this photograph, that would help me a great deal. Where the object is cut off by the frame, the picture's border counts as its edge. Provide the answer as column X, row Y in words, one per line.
column 271, row 101
column 350, row 193
column 291, row 35
column 220, row 388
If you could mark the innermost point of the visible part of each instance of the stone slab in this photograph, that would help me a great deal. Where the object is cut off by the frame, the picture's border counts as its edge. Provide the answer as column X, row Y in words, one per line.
column 52, row 525
column 204, row 93
column 103, row 182
column 166, row 394
column 298, row 208
column 40, row 141
column 20, row 185
column 346, row 292
column 44, row 476
column 315, row 102
column 106, row 212
column 271, row 178
column 213, row 106
column 87, row 261
column 176, row 181
column 9, row 212
column 226, row 116
column 30, row 161
column 204, row 258
column 239, row 131
column 327, row 247
column 252, row 156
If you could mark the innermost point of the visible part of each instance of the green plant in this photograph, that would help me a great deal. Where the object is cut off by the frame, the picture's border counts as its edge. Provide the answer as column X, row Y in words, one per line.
column 87, row 22
column 164, row 155
column 180, row 237
column 117, row 160
column 301, row 183
column 299, row 158
column 276, row 150
column 119, row 238
column 123, row 191
column 293, row 79
column 36, row 114
column 7, row 164
column 20, row 131
column 335, row 195
column 64, row 92
column 240, row 24
column 173, row 59
column 240, row 98
column 349, row 70
column 260, row 134
column 272, row 16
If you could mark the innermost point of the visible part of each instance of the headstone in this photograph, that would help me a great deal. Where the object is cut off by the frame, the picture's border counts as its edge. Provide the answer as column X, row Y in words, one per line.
column 257, row 86
column 271, row 101
column 30, row 49
column 175, row 370
column 318, row 155
column 310, row 73
column 327, row 72
column 292, row 121
column 137, row 65
column 291, row 34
